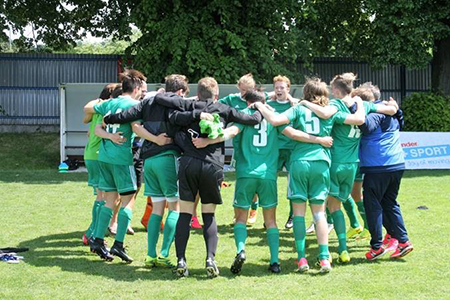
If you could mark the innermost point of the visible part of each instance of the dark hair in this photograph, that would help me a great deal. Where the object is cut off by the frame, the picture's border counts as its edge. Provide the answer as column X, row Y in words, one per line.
column 117, row 91
column 107, row 90
column 177, row 82
column 254, row 96
column 131, row 79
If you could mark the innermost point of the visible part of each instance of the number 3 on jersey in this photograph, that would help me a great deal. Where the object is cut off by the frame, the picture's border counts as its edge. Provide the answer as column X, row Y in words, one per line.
column 112, row 128
column 260, row 139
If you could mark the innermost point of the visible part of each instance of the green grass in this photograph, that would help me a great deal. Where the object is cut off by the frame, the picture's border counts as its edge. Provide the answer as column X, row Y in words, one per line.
column 48, row 212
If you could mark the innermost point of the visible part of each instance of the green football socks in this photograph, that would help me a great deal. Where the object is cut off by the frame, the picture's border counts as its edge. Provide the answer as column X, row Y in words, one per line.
column 323, row 252
column 95, row 207
column 104, row 218
column 153, row 228
column 350, row 209
column 329, row 218
column 123, row 221
column 240, row 235
column 169, row 232
column 362, row 212
column 273, row 239
column 300, row 235
column 339, row 227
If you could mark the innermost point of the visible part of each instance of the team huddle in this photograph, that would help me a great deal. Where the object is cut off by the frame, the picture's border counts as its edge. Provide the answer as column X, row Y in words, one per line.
column 335, row 151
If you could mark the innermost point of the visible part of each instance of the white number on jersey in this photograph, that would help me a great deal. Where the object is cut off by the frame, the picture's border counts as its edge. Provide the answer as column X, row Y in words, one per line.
column 354, row 132
column 112, row 128
column 260, row 139
column 312, row 123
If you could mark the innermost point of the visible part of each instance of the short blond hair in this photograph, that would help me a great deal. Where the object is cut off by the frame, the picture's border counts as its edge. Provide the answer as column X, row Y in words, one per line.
column 344, row 82
column 207, row 88
column 374, row 88
column 247, row 80
column 282, row 79
column 364, row 93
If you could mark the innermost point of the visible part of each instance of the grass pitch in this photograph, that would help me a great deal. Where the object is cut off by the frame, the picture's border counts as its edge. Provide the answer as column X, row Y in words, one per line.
column 48, row 212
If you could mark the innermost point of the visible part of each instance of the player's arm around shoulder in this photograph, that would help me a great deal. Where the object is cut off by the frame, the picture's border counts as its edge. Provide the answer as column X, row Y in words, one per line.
column 174, row 101
column 161, row 139
column 89, row 110
column 301, row 136
column 389, row 108
column 357, row 118
column 131, row 114
column 228, row 133
column 323, row 112
column 270, row 115
column 116, row 138
column 233, row 115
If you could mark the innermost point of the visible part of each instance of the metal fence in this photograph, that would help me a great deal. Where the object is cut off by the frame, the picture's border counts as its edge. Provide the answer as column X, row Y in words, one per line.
column 393, row 81
column 29, row 83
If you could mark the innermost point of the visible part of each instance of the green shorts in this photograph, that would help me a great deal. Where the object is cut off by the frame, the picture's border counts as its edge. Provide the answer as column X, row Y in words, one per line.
column 342, row 177
column 246, row 188
column 161, row 176
column 359, row 176
column 283, row 159
column 119, row 178
column 309, row 180
column 93, row 172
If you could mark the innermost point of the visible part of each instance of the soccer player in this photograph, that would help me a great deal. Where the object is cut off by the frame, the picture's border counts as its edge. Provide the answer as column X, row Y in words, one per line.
column 91, row 157
column 201, row 170
column 367, row 92
column 117, row 174
column 245, row 84
column 344, row 153
column 309, row 166
column 160, row 167
column 282, row 86
column 256, row 156
column 138, row 168
column 383, row 165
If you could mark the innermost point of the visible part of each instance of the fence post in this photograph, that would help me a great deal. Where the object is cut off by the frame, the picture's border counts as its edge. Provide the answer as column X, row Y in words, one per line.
column 402, row 83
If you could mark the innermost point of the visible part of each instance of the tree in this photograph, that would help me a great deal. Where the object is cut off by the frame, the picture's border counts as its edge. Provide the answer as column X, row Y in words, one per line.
column 226, row 39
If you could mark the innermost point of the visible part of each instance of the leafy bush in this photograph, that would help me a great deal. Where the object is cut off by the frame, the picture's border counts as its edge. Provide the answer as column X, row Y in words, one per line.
column 426, row 112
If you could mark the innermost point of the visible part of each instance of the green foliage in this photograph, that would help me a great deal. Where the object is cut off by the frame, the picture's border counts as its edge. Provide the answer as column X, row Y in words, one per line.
column 227, row 39
column 224, row 39
column 59, row 23
column 427, row 112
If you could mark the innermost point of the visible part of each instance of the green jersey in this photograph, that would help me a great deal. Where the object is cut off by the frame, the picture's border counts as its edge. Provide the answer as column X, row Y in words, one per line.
column 234, row 100
column 110, row 152
column 280, row 107
column 305, row 120
column 346, row 137
column 256, row 150
column 93, row 144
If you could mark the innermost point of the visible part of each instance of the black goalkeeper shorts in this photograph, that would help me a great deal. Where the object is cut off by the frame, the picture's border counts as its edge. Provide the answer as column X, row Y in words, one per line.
column 199, row 176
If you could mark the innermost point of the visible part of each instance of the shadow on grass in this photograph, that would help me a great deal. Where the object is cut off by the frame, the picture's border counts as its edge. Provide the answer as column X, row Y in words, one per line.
column 40, row 177
column 66, row 252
